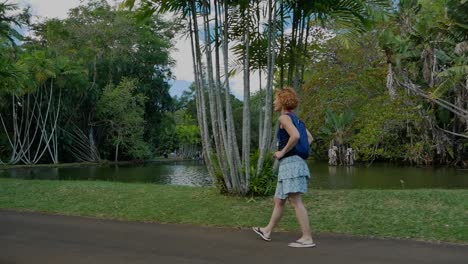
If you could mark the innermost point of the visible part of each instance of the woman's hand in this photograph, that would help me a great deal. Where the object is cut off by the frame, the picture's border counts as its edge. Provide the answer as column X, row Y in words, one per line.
column 278, row 155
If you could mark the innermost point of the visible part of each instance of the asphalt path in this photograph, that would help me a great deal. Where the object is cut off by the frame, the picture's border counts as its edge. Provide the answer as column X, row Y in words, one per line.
column 42, row 238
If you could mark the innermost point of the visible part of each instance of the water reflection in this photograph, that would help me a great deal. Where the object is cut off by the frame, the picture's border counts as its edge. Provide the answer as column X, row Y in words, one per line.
column 193, row 173
column 177, row 173
column 385, row 176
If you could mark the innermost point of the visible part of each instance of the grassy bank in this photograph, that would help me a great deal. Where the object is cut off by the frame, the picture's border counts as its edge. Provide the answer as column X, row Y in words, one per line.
column 434, row 215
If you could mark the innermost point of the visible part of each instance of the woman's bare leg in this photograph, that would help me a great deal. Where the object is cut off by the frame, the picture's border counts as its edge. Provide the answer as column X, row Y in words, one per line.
column 275, row 216
column 302, row 216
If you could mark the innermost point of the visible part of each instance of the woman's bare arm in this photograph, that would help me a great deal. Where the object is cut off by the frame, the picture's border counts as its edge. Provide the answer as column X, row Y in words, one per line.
column 310, row 138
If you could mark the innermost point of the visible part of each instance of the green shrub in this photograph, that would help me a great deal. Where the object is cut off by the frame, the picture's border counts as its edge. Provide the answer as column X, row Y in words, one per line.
column 264, row 183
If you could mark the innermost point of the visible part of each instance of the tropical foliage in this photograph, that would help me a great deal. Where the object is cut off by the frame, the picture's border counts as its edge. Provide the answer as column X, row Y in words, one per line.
column 405, row 83
column 88, row 87
column 386, row 79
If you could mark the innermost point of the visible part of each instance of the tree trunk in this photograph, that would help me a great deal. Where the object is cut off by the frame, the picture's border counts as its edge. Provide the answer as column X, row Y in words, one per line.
column 267, row 130
column 293, row 45
column 304, row 55
column 297, row 81
column 44, row 124
column 233, row 148
column 92, row 144
column 260, row 106
column 227, row 174
column 214, row 107
column 201, row 97
column 281, row 45
column 390, row 82
column 466, row 101
column 116, row 152
column 260, row 117
column 246, row 108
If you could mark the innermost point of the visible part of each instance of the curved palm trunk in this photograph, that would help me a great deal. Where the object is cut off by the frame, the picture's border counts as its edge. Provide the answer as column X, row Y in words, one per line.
column 44, row 119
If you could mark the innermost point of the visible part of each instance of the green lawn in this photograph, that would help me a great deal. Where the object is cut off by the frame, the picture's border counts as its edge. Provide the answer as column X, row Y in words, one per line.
column 433, row 215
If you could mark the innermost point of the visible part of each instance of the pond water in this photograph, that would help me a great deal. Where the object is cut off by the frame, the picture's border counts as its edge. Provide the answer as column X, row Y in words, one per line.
column 193, row 173
column 385, row 176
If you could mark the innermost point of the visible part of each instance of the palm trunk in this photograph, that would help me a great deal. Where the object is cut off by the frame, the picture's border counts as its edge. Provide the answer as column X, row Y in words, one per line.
column 92, row 144
column 293, row 45
column 116, row 152
column 214, row 107
column 282, row 45
column 228, row 175
column 233, row 148
column 201, row 97
column 246, row 108
column 466, row 101
column 267, row 130
column 297, row 81
column 260, row 115
column 53, row 149
column 43, row 122
column 304, row 52
column 260, row 107
column 390, row 82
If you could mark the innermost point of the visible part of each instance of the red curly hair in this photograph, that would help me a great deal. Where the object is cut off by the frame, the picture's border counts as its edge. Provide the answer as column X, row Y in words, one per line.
column 287, row 97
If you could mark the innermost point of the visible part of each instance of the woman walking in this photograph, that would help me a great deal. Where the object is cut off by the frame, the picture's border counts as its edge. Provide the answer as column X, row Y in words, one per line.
column 293, row 175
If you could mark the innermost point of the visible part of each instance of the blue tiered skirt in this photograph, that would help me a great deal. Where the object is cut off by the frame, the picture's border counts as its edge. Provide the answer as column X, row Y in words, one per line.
column 293, row 177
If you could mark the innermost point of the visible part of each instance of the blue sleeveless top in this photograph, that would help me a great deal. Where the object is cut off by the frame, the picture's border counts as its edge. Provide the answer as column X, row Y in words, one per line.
column 283, row 137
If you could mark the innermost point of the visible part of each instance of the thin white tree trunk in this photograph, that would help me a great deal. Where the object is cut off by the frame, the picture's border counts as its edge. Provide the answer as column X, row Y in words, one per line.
column 304, row 53
column 44, row 124
column 267, row 130
column 297, row 81
column 246, row 109
column 53, row 125
column 390, row 82
column 260, row 106
column 81, row 148
column 31, row 118
column 201, row 97
column 92, row 145
column 214, row 107
column 466, row 101
column 41, row 121
column 23, row 141
column 260, row 117
column 116, row 152
column 233, row 148
column 227, row 174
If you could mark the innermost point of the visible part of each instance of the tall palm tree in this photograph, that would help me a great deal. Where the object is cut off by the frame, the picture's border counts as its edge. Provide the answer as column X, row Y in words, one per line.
column 353, row 16
column 36, row 108
column 348, row 18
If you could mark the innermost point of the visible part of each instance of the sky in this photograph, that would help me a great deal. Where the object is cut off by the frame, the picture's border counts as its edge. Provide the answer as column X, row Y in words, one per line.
column 183, row 70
